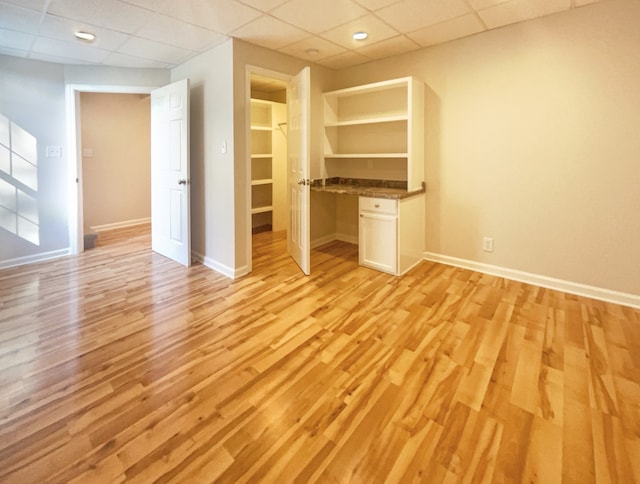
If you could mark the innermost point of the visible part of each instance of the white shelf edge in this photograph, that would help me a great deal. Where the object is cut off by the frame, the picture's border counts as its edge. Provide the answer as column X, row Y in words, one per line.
column 366, row 155
column 261, row 128
column 376, row 86
column 378, row 120
column 264, row 181
column 262, row 155
column 267, row 208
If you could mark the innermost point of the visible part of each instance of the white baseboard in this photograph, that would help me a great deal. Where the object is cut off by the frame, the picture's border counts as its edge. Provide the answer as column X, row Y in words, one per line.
column 322, row 240
column 623, row 298
column 30, row 259
column 352, row 239
column 216, row 266
column 121, row 225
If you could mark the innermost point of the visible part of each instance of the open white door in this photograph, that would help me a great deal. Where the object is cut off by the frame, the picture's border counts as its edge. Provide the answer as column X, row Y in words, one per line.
column 298, row 154
column 170, row 184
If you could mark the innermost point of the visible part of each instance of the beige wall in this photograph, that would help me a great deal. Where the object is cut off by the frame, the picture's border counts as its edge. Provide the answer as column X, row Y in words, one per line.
column 532, row 139
column 212, row 172
column 117, row 177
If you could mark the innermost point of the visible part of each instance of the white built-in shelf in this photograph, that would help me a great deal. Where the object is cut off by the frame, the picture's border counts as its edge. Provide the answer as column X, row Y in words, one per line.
column 261, row 209
column 261, row 128
column 378, row 121
column 366, row 155
column 261, row 155
column 266, row 181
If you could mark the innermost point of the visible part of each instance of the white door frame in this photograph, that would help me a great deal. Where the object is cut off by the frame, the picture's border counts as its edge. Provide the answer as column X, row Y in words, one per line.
column 249, row 70
column 74, row 158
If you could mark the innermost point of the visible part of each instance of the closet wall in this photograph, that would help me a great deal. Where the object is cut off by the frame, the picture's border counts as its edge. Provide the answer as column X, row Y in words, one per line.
column 116, row 159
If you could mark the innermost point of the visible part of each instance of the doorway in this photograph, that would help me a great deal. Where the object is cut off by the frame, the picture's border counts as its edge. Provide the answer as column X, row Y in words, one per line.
column 268, row 148
column 74, row 142
column 116, row 163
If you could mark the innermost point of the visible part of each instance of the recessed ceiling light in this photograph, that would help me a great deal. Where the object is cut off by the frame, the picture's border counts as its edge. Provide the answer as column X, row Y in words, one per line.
column 360, row 36
column 312, row 51
column 86, row 36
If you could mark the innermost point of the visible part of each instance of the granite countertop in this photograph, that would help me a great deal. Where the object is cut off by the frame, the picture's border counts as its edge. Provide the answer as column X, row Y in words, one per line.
column 365, row 188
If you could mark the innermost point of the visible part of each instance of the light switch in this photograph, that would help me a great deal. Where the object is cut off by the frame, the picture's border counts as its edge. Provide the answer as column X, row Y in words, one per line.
column 223, row 147
column 87, row 153
column 54, row 151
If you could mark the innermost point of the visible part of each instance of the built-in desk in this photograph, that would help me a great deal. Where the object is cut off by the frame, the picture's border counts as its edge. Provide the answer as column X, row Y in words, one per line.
column 391, row 221
column 366, row 188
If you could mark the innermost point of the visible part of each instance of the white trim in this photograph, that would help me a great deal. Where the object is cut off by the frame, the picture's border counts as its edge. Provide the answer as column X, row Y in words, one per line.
column 323, row 240
column 120, row 225
column 218, row 267
column 351, row 239
column 30, row 259
column 607, row 295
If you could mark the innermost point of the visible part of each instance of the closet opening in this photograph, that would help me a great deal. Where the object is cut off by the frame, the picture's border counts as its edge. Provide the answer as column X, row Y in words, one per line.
column 268, row 148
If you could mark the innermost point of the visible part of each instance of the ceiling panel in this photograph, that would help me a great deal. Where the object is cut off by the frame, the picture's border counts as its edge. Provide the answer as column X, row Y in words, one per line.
column 181, row 34
column 376, row 28
column 73, row 50
column 150, row 49
column 223, row 16
column 270, row 32
column 19, row 19
column 37, row 5
column 394, row 46
column 448, row 30
column 411, row 15
column 165, row 33
column 319, row 16
column 346, row 59
column 519, row 10
column 12, row 39
column 111, row 14
column 313, row 49
column 123, row 60
column 60, row 28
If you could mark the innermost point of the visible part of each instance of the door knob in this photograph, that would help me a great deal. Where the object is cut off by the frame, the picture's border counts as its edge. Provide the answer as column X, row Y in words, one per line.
column 302, row 181
column 182, row 181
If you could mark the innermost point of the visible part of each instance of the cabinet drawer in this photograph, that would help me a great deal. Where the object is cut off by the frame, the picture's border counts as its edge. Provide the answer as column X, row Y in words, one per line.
column 379, row 205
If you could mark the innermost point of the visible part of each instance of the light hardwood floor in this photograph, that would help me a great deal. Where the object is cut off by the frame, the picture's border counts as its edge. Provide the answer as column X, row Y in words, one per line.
column 121, row 365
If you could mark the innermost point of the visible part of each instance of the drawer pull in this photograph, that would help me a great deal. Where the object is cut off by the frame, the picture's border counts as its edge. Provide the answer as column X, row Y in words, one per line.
column 377, row 205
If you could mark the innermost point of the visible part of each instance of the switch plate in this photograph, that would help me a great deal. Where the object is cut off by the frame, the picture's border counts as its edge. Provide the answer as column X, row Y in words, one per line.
column 223, row 147
column 87, row 153
column 54, row 151
column 487, row 244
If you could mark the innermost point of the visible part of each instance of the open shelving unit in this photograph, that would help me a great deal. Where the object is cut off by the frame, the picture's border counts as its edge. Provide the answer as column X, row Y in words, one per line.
column 378, row 122
column 261, row 165
column 268, row 168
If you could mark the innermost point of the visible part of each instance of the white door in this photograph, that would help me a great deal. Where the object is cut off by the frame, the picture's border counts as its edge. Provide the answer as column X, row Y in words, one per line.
column 170, row 184
column 298, row 155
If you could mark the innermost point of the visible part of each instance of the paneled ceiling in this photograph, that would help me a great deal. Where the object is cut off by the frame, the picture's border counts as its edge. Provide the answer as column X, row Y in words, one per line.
column 165, row 33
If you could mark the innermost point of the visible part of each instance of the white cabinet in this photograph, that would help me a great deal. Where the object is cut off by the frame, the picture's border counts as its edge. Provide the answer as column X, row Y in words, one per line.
column 267, row 165
column 391, row 233
column 376, row 129
column 378, row 234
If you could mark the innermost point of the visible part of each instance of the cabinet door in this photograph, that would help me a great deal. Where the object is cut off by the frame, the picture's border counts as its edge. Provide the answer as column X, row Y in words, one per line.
column 378, row 239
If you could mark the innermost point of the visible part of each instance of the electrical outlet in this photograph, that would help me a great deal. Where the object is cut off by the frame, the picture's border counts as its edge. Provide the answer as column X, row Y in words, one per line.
column 487, row 244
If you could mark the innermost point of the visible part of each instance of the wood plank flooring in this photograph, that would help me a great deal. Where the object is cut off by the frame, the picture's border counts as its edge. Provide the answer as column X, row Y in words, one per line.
column 119, row 365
